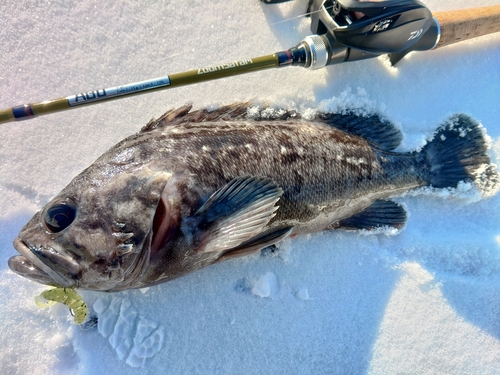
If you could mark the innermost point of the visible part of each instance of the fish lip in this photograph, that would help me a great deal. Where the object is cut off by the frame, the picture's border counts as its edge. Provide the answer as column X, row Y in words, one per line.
column 44, row 264
column 23, row 267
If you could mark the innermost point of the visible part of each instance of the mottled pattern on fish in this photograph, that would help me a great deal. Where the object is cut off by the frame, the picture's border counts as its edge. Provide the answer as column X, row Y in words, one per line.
column 319, row 167
column 195, row 187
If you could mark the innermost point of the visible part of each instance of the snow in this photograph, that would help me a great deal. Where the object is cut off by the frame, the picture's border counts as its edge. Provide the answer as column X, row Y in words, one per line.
column 133, row 337
column 423, row 301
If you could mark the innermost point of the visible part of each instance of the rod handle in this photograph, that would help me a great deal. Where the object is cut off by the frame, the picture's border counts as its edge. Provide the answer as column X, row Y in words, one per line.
column 459, row 25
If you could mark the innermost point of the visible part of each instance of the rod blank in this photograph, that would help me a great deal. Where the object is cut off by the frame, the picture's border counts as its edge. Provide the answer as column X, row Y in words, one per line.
column 28, row 111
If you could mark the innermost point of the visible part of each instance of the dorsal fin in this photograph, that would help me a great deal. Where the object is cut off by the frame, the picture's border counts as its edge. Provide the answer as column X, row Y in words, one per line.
column 380, row 132
column 232, row 112
column 168, row 117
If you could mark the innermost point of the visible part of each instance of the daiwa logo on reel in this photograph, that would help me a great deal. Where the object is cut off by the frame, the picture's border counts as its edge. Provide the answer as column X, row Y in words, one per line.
column 415, row 34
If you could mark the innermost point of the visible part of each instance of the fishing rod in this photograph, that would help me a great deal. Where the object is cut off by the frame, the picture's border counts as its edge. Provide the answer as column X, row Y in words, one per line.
column 344, row 30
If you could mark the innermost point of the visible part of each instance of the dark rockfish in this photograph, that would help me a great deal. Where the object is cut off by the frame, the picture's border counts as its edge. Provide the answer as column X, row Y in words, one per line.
column 192, row 188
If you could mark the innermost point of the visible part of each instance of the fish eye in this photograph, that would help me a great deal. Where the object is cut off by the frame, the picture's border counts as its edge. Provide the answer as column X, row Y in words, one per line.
column 59, row 216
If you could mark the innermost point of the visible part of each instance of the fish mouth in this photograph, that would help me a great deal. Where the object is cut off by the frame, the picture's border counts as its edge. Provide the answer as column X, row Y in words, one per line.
column 45, row 265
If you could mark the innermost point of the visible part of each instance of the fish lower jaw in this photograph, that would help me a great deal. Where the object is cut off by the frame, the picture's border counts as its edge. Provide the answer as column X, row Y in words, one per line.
column 36, row 266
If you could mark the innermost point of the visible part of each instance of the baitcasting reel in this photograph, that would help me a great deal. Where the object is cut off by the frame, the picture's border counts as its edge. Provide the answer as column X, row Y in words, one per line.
column 350, row 30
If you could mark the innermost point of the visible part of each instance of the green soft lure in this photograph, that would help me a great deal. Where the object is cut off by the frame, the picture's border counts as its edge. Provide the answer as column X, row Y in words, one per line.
column 67, row 296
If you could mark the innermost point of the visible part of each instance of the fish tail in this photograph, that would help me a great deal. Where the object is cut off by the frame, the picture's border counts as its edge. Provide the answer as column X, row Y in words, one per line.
column 458, row 152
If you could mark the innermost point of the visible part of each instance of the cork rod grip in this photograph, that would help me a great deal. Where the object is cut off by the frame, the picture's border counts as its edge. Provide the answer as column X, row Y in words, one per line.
column 466, row 24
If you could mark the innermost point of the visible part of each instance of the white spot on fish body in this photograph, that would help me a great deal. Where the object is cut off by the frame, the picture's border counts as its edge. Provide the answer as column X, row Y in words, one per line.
column 125, row 209
column 124, row 156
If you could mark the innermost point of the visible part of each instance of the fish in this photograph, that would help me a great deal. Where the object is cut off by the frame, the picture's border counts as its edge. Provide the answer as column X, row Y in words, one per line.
column 196, row 187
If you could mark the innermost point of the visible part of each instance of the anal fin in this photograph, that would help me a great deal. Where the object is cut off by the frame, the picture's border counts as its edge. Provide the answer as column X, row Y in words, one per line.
column 381, row 213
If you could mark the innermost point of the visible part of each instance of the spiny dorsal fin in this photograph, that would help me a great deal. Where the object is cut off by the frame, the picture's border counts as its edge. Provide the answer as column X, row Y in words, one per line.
column 232, row 112
column 168, row 117
column 380, row 132
column 269, row 113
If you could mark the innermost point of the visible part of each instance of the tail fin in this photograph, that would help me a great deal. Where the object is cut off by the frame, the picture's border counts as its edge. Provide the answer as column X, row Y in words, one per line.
column 459, row 152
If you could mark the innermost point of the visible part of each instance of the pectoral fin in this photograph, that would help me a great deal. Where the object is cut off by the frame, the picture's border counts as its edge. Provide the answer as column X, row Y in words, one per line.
column 257, row 243
column 380, row 213
column 234, row 214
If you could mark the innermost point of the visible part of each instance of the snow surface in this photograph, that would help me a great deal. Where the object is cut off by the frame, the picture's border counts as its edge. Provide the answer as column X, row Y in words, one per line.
column 423, row 301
